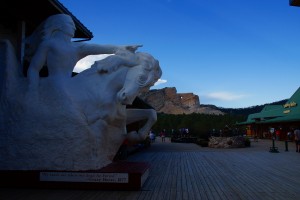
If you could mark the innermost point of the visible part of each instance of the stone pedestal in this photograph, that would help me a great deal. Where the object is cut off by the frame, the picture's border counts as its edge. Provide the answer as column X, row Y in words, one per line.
column 115, row 176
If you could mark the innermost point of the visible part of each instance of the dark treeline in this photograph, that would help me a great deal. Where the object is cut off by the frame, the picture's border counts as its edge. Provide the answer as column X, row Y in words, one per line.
column 202, row 125
column 244, row 111
column 199, row 125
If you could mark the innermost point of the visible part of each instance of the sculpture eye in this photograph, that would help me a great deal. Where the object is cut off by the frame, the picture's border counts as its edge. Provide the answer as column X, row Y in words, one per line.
column 103, row 71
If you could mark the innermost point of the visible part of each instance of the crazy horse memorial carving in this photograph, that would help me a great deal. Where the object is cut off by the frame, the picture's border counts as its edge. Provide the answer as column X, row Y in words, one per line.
column 62, row 122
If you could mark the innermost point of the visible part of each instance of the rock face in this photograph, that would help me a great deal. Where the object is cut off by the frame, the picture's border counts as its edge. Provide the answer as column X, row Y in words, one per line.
column 168, row 101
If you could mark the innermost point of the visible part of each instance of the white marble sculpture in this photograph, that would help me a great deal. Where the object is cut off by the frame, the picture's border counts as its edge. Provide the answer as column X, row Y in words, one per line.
column 70, row 123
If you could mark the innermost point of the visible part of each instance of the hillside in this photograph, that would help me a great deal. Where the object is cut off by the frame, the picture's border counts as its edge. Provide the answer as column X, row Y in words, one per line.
column 249, row 110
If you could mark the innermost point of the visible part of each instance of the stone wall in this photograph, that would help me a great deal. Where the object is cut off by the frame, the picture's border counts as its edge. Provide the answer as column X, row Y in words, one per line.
column 227, row 142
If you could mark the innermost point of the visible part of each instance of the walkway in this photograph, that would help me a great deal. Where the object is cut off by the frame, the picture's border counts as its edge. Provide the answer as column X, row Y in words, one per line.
column 187, row 171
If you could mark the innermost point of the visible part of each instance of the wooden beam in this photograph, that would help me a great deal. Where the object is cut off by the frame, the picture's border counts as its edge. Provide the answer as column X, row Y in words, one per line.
column 295, row 3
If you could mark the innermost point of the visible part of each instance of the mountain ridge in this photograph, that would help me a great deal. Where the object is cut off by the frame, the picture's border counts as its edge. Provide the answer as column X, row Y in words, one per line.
column 246, row 110
column 168, row 101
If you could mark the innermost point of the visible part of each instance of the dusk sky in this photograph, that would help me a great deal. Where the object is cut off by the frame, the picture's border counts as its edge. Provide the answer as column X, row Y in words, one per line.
column 232, row 53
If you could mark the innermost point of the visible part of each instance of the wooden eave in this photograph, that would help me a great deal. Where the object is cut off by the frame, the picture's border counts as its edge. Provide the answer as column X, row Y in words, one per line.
column 34, row 12
column 295, row 2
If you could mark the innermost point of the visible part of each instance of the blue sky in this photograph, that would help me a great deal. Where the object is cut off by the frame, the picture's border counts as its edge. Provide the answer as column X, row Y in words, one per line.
column 232, row 53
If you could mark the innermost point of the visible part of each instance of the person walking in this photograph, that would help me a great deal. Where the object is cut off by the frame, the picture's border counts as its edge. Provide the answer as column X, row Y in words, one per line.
column 297, row 139
column 152, row 136
column 163, row 135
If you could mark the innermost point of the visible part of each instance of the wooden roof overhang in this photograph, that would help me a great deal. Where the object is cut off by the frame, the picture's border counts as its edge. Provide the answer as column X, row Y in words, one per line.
column 295, row 2
column 33, row 12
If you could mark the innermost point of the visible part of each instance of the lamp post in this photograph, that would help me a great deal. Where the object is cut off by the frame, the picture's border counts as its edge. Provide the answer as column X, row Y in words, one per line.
column 273, row 149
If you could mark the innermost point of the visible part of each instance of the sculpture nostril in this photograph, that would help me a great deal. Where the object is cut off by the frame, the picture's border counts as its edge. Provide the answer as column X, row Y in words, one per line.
column 122, row 97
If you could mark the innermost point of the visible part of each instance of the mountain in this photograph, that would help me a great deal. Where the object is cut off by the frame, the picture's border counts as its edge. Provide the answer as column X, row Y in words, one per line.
column 168, row 101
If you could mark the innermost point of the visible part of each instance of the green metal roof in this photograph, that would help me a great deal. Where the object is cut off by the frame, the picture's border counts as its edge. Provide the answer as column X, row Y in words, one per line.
column 269, row 111
column 290, row 111
column 287, row 118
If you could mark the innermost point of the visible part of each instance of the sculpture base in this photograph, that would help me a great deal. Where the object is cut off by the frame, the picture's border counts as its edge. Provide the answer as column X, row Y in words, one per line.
column 115, row 176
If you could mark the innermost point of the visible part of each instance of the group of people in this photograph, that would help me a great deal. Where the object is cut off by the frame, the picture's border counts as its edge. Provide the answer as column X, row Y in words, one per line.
column 294, row 133
column 162, row 135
